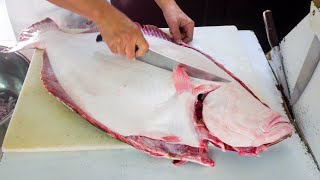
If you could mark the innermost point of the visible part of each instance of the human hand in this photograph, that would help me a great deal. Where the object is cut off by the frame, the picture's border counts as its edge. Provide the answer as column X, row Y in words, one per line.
column 118, row 31
column 122, row 35
column 180, row 25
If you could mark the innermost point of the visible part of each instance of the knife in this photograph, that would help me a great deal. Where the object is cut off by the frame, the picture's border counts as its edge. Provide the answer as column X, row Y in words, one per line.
column 157, row 59
column 160, row 60
column 313, row 56
column 310, row 64
column 276, row 61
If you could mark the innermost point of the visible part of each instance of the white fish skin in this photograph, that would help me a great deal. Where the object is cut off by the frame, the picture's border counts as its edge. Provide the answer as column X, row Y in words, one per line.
column 131, row 98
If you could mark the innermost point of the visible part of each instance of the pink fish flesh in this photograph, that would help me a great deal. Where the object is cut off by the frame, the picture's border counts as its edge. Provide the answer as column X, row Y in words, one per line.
column 161, row 113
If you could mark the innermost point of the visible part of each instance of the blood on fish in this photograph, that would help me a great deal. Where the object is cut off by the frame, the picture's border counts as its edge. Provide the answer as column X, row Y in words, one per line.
column 171, row 139
column 178, row 162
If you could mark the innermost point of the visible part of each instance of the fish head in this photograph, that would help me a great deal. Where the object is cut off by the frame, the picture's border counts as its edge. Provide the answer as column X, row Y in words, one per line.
column 232, row 114
column 238, row 119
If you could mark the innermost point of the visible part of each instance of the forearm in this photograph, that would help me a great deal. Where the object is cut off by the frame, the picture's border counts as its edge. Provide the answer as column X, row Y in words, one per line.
column 95, row 10
column 163, row 4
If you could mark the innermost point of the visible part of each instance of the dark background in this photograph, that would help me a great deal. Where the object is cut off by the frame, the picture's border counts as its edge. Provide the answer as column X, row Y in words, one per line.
column 245, row 14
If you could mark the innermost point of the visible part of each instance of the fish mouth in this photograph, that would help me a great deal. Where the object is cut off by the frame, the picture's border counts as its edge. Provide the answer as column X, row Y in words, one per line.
column 277, row 130
column 279, row 140
column 276, row 121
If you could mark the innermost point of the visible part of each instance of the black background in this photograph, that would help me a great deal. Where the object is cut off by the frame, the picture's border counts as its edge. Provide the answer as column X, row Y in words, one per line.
column 245, row 14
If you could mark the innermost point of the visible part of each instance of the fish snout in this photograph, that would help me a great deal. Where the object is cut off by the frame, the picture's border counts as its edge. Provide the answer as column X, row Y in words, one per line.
column 273, row 131
column 272, row 122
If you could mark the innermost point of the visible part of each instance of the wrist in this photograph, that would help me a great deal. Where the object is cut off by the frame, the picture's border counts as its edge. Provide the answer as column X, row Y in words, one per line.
column 165, row 4
column 102, row 13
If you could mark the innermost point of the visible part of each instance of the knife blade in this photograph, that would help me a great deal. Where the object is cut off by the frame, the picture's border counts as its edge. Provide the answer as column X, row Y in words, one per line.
column 276, row 61
column 310, row 64
column 157, row 59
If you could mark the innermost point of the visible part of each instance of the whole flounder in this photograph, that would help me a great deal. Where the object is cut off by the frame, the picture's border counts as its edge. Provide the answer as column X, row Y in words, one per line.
column 162, row 113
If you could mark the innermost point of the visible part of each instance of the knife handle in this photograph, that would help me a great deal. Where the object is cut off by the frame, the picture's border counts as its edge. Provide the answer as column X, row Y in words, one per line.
column 270, row 28
column 99, row 38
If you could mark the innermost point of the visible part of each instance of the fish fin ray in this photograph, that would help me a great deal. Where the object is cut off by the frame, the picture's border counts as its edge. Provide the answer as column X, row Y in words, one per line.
column 181, row 80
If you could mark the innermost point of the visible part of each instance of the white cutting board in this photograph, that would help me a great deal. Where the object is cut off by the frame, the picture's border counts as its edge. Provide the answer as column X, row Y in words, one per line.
column 42, row 123
column 294, row 49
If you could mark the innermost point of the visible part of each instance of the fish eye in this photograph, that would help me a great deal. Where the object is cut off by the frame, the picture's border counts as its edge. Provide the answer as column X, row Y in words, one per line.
column 200, row 97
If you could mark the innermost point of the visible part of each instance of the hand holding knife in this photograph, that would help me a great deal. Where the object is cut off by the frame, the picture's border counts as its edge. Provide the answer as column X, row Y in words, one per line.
column 160, row 60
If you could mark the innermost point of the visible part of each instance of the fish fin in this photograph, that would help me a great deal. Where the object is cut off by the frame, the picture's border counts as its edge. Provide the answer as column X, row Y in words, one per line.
column 181, row 80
